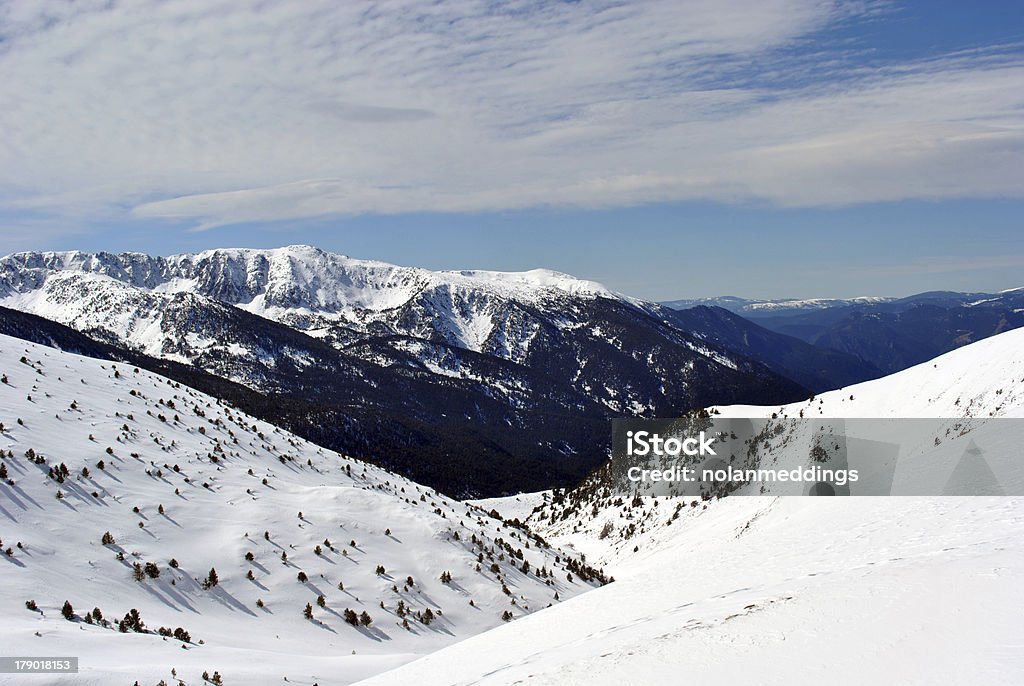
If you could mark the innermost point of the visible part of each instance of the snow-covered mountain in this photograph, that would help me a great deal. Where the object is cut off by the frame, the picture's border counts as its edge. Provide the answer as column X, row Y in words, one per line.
column 122, row 489
column 784, row 590
column 751, row 306
column 521, row 317
column 496, row 359
column 983, row 379
column 331, row 296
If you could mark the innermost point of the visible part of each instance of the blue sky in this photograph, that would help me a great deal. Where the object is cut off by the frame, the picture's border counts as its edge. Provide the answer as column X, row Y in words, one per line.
column 778, row 148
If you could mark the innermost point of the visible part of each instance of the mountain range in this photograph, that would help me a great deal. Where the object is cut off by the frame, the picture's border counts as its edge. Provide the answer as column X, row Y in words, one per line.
column 487, row 382
column 888, row 334
column 479, row 383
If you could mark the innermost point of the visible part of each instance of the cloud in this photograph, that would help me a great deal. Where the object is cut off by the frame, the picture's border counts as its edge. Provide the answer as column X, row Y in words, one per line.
column 222, row 111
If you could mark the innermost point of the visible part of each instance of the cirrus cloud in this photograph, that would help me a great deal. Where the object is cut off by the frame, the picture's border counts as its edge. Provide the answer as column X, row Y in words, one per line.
column 220, row 111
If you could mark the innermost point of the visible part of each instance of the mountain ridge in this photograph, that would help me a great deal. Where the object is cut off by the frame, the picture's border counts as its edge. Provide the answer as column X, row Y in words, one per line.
column 497, row 368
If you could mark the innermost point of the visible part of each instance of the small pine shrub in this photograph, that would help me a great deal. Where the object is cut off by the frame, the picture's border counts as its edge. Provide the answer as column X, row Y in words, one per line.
column 132, row 622
column 211, row 580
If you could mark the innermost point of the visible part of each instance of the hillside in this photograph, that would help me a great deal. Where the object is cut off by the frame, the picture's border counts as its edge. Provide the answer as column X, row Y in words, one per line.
column 782, row 591
column 184, row 484
column 816, row 368
column 792, row 590
column 982, row 379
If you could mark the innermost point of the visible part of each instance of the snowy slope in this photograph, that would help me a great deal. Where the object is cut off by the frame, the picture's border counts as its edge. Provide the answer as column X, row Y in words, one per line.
column 775, row 590
column 222, row 479
column 781, row 591
column 983, row 379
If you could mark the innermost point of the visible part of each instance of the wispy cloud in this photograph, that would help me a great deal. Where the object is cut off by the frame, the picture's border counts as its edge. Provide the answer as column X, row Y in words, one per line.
column 221, row 111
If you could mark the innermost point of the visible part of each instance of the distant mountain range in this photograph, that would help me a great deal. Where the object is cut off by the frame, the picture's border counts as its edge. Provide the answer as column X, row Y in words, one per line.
column 749, row 306
column 889, row 334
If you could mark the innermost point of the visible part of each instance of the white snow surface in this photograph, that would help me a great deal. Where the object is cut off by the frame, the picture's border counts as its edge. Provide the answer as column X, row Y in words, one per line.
column 781, row 591
column 72, row 409
column 777, row 590
column 983, row 379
